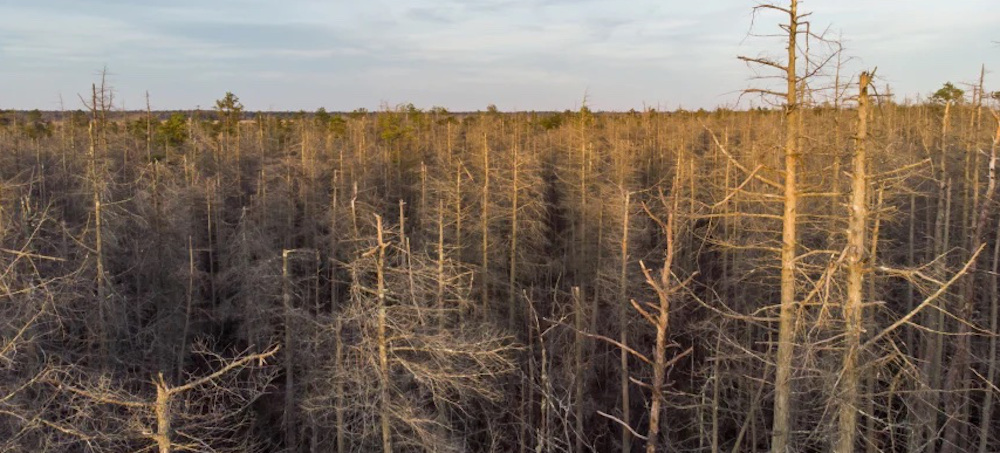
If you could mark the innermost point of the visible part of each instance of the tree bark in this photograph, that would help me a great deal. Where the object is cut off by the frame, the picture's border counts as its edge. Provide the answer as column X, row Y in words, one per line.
column 782, row 424
column 623, row 326
column 856, row 269
column 288, row 421
column 383, row 354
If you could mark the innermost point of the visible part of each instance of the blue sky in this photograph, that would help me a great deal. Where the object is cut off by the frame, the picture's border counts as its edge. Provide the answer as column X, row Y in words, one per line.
column 461, row 54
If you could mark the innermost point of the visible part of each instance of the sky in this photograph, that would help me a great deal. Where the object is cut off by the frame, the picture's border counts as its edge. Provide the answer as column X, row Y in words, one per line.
column 464, row 54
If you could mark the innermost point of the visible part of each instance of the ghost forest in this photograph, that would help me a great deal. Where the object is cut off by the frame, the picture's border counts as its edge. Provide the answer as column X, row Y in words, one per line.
column 816, row 274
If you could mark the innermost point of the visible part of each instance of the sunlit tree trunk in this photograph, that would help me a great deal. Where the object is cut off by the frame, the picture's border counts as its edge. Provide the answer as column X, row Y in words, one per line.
column 623, row 326
column 856, row 270
column 782, row 423
column 383, row 354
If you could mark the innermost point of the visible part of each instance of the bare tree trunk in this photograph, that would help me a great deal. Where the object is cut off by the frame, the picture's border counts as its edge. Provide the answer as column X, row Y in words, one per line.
column 911, row 261
column 288, row 421
column 182, row 351
column 383, row 353
column 262, row 173
column 958, row 381
column 838, row 150
column 162, row 410
column 525, row 406
column 937, row 326
column 335, row 240
column 96, row 175
column 716, row 385
column 314, row 346
column 580, row 372
column 986, row 418
column 623, row 326
column 165, row 394
column 512, row 277
column 209, row 214
column 545, row 432
column 664, row 288
column 149, row 131
column 527, row 393
column 856, row 270
column 339, row 385
column 356, row 234
column 873, row 435
column 485, row 228
column 442, row 317
column 422, row 212
column 239, row 161
column 782, row 425
column 458, row 206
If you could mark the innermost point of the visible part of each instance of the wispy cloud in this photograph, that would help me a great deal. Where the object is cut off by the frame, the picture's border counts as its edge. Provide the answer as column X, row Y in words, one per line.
column 464, row 54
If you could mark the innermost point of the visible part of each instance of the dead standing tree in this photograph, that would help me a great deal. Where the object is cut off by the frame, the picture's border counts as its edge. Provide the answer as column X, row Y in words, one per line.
column 667, row 287
column 986, row 417
column 392, row 329
column 795, row 90
column 99, row 105
column 156, row 418
column 958, row 373
column 781, row 425
column 857, row 268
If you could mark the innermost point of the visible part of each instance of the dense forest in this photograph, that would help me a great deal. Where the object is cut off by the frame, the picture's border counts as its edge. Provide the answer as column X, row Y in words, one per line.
column 821, row 275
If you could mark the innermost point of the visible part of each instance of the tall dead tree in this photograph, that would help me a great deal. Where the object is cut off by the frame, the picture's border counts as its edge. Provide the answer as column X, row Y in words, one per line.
column 782, row 424
column 661, row 321
column 986, row 416
column 383, row 355
column 781, row 427
column 666, row 288
column 960, row 364
column 182, row 350
column 97, row 105
column 926, row 431
column 484, row 223
column 857, row 268
column 623, row 325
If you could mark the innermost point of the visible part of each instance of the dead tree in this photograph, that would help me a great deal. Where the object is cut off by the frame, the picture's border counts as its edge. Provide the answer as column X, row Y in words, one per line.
column 857, row 268
column 958, row 374
column 794, row 77
column 155, row 418
column 781, row 425
column 658, row 315
column 392, row 333
column 666, row 287
column 986, row 415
